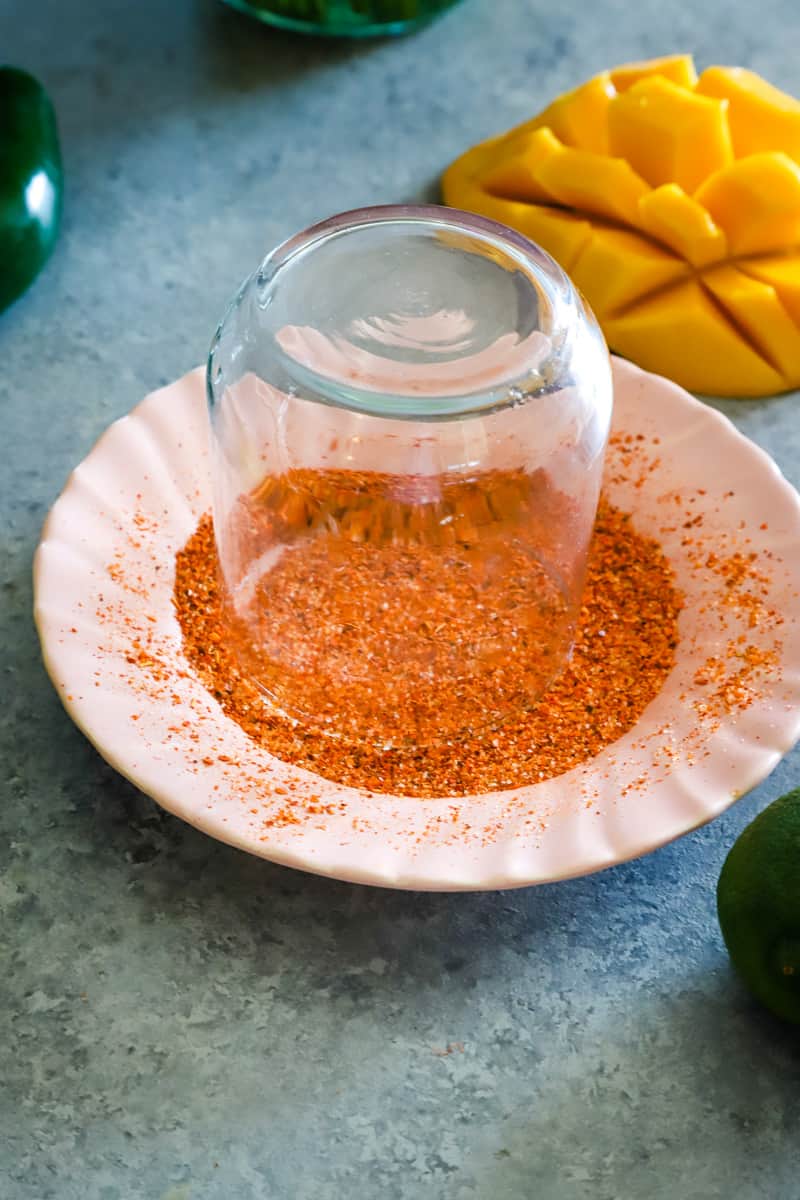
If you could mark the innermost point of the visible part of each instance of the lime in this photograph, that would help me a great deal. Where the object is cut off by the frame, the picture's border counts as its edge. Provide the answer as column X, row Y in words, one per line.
column 758, row 902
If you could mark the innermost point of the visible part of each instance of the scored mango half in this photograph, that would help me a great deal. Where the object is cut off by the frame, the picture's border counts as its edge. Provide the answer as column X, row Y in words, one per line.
column 674, row 203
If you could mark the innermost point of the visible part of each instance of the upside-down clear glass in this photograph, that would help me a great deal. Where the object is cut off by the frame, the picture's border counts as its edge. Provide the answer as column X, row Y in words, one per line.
column 409, row 412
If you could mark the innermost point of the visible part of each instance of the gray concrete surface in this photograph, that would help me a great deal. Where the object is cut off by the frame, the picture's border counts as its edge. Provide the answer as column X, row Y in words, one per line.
column 181, row 1022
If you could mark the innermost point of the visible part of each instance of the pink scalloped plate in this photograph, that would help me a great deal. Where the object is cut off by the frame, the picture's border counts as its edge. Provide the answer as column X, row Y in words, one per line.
column 730, row 708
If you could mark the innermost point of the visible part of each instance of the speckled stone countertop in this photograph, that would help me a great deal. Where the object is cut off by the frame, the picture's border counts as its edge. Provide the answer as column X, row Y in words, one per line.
column 179, row 1021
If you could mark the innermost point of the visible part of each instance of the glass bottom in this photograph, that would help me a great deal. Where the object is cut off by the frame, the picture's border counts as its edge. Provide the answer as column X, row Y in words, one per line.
column 344, row 18
column 400, row 610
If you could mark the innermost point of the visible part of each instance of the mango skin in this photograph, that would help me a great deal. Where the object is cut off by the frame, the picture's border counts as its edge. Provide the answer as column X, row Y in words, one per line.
column 674, row 203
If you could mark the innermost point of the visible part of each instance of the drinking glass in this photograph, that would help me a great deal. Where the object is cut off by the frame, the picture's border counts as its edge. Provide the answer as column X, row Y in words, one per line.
column 409, row 410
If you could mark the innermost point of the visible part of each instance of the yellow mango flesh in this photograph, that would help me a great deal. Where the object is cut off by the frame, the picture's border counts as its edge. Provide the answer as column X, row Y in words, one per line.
column 755, row 308
column 756, row 201
column 562, row 234
column 675, row 206
column 669, row 135
column 678, row 220
column 593, row 183
column 761, row 117
column 678, row 333
column 647, row 268
column 580, row 118
column 514, row 177
column 677, row 67
column 781, row 273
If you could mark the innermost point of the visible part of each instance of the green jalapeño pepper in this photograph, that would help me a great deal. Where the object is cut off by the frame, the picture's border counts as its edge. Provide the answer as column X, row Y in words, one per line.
column 31, row 181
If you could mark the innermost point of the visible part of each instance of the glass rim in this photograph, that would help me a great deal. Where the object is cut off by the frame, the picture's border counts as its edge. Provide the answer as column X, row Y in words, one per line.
column 510, row 392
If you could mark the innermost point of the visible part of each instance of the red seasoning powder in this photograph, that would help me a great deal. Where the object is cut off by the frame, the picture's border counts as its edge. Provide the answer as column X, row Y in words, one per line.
column 625, row 644
column 404, row 611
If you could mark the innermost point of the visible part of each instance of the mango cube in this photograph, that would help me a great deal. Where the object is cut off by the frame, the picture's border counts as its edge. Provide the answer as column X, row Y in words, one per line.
column 756, row 201
column 756, row 310
column 761, row 117
column 780, row 273
column 593, row 183
column 681, row 222
column 580, row 118
column 669, row 135
column 677, row 67
column 562, row 234
column 514, row 177
column 690, row 332
column 648, row 268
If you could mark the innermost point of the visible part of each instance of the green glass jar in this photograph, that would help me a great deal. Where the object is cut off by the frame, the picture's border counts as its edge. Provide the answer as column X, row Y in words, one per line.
column 344, row 18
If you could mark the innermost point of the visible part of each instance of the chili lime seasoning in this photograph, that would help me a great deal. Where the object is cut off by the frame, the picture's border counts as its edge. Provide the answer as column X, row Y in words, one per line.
column 625, row 641
column 404, row 610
